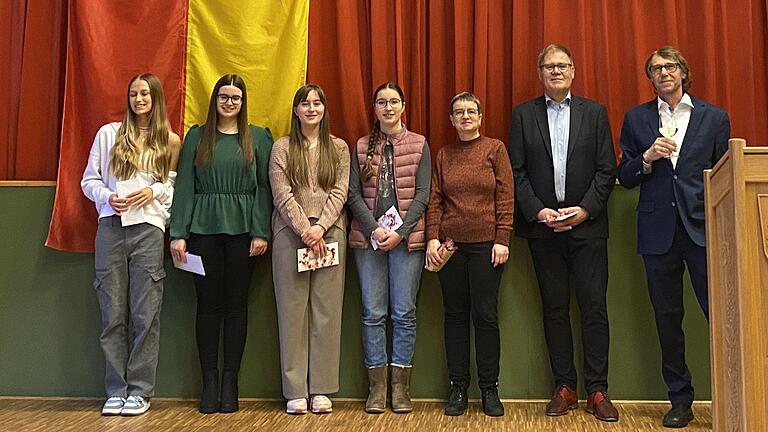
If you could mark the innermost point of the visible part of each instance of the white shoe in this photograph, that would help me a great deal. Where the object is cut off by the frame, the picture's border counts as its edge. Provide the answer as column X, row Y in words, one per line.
column 296, row 406
column 113, row 406
column 135, row 405
column 321, row 404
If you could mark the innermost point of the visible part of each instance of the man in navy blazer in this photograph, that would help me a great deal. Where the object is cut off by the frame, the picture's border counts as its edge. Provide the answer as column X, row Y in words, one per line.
column 670, row 211
column 564, row 167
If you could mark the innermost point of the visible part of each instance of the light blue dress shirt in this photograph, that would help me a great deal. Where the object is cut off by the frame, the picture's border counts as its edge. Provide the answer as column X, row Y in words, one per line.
column 559, row 119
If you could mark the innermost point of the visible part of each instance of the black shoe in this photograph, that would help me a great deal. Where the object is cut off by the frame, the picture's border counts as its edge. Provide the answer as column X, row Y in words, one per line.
column 491, row 404
column 678, row 417
column 209, row 397
column 229, row 392
column 457, row 401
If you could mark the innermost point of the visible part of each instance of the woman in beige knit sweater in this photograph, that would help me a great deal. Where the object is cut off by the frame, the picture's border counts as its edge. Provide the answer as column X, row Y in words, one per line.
column 309, row 174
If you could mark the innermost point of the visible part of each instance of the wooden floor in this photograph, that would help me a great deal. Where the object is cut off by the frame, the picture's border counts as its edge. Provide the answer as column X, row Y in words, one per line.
column 82, row 415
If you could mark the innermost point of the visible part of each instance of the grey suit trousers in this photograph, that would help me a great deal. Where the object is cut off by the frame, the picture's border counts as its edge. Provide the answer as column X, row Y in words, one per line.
column 309, row 306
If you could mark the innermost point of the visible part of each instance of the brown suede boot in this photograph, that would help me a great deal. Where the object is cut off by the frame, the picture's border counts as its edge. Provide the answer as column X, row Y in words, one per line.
column 401, row 381
column 377, row 390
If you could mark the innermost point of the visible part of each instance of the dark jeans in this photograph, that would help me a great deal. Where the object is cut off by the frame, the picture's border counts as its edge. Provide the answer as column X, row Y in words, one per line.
column 471, row 288
column 665, row 287
column 222, row 295
column 562, row 263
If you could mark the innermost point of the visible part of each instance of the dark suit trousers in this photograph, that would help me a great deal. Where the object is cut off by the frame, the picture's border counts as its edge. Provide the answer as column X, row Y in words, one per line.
column 665, row 286
column 471, row 288
column 562, row 263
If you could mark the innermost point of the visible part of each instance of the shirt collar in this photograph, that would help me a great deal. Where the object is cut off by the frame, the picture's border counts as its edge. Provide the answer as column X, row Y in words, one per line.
column 566, row 101
column 663, row 106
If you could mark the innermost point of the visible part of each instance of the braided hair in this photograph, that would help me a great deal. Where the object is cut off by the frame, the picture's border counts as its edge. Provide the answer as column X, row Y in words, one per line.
column 367, row 171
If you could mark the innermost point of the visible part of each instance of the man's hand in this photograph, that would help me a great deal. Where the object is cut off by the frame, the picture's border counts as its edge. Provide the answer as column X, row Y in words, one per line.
column 661, row 148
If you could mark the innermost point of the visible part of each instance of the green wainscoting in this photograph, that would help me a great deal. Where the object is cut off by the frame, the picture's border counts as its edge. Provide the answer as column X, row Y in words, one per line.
column 49, row 321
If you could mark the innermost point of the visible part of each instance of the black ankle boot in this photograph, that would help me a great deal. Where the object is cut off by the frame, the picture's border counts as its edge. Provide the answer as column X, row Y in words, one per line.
column 229, row 392
column 209, row 397
column 457, row 401
column 491, row 404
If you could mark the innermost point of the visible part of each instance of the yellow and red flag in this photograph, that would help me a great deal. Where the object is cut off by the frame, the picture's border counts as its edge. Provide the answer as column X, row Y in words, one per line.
column 188, row 44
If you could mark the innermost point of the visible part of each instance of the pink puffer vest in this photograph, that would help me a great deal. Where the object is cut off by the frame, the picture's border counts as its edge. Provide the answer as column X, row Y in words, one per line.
column 407, row 148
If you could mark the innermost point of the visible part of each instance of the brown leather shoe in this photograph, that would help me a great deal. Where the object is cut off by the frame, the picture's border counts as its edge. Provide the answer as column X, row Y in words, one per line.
column 601, row 407
column 563, row 400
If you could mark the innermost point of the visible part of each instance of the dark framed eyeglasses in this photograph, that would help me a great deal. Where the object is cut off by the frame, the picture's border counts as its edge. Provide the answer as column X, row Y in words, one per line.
column 669, row 67
column 223, row 99
column 394, row 103
column 562, row 67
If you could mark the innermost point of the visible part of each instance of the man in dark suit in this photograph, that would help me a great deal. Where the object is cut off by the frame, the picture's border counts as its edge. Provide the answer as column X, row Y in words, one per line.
column 670, row 212
column 564, row 166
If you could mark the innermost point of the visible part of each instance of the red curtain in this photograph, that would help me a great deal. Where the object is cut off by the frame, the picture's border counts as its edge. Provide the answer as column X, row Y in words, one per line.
column 437, row 48
column 433, row 48
column 32, row 73
column 108, row 43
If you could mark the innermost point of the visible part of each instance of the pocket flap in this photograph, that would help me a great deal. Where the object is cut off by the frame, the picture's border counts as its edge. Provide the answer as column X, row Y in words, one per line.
column 157, row 275
column 644, row 206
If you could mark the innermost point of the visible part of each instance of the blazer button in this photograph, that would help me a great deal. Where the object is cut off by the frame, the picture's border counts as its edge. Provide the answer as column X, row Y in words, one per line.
column 674, row 176
column 674, row 205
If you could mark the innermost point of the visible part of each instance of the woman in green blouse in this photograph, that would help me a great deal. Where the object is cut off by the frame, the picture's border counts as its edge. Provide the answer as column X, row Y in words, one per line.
column 221, row 211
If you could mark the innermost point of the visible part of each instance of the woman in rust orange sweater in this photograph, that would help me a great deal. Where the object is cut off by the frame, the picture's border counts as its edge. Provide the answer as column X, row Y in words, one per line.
column 471, row 203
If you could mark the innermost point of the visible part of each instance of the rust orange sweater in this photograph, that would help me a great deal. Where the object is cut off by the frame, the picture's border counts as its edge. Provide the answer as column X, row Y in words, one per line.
column 472, row 195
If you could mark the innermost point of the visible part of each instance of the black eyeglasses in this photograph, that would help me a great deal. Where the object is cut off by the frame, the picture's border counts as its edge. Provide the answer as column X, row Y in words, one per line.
column 562, row 67
column 223, row 99
column 669, row 67
column 382, row 103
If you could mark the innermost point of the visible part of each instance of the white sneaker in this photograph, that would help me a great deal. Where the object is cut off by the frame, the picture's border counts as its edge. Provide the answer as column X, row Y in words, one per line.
column 321, row 404
column 296, row 406
column 135, row 405
column 113, row 406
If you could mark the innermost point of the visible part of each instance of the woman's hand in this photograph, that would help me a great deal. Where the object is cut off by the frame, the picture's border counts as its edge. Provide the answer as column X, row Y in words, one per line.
column 179, row 250
column 258, row 246
column 319, row 248
column 312, row 235
column 433, row 257
column 139, row 198
column 499, row 254
column 390, row 241
column 119, row 205
column 379, row 234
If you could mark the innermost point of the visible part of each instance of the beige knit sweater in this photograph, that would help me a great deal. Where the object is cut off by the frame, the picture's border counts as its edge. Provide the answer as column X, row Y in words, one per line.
column 294, row 206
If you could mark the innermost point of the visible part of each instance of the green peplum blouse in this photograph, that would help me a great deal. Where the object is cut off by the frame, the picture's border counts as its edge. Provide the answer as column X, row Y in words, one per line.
column 223, row 197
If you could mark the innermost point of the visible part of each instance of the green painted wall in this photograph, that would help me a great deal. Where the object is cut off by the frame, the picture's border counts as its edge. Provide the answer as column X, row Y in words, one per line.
column 49, row 322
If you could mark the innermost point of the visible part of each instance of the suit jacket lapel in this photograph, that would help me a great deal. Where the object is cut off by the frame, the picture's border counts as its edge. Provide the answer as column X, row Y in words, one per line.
column 541, row 120
column 697, row 114
column 573, row 133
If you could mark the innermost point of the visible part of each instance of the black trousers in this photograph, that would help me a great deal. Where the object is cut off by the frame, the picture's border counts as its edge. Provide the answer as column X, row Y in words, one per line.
column 665, row 287
column 470, row 286
column 562, row 263
column 222, row 296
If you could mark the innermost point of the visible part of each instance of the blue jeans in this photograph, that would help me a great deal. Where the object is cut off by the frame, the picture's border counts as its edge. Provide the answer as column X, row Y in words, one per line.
column 389, row 279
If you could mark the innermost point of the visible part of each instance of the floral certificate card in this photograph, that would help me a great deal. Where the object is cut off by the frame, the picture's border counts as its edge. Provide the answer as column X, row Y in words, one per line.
column 308, row 261
column 390, row 221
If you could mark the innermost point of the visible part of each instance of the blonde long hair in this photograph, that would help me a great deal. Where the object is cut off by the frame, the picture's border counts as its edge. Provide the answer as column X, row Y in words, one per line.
column 125, row 159
column 328, row 159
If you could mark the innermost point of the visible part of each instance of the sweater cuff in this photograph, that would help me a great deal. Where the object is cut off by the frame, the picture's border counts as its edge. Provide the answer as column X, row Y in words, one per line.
column 502, row 236
column 431, row 233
